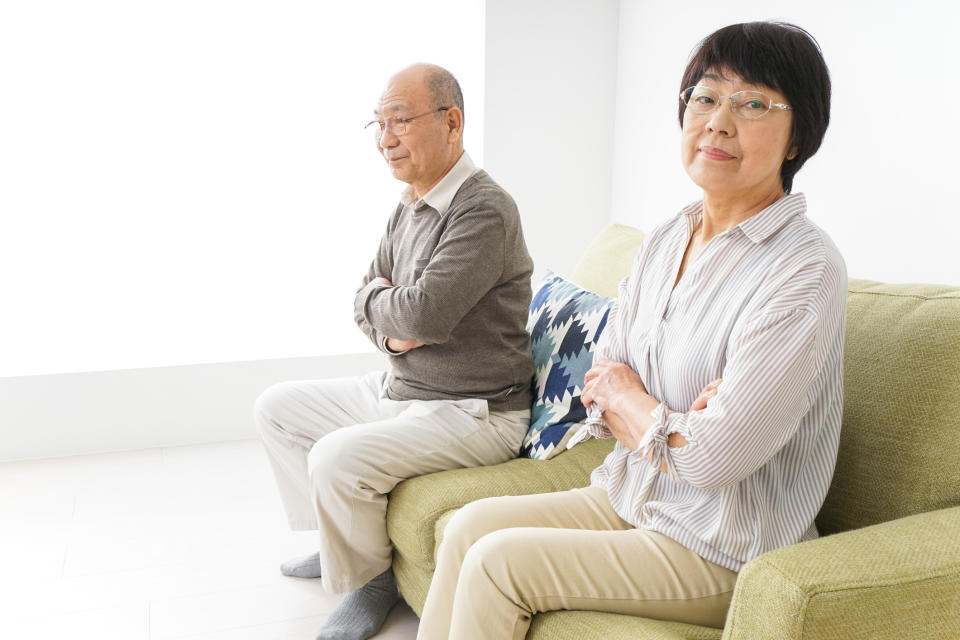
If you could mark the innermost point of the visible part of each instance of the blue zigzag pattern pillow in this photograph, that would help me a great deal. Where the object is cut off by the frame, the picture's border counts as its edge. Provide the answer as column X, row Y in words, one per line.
column 565, row 323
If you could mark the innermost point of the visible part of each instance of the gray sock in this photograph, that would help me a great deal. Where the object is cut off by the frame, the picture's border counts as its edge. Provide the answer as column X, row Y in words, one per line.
column 306, row 567
column 362, row 612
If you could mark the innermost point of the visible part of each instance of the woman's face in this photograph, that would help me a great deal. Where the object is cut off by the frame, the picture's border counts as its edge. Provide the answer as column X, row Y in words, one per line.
column 729, row 156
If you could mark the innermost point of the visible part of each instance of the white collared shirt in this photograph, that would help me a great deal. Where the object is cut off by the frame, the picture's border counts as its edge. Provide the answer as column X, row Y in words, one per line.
column 440, row 197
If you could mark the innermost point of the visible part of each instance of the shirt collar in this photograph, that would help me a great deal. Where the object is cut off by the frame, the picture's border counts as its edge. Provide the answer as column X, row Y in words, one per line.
column 440, row 197
column 762, row 224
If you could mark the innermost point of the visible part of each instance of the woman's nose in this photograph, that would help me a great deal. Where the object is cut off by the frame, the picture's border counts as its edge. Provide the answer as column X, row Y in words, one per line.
column 721, row 120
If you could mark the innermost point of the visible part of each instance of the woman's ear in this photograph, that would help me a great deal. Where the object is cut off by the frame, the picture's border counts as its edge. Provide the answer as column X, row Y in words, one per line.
column 792, row 153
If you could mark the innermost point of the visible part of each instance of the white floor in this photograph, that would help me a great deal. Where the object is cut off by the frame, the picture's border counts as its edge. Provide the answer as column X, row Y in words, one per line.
column 162, row 544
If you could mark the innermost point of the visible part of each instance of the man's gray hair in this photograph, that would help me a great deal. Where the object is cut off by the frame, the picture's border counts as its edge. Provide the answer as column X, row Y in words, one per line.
column 444, row 88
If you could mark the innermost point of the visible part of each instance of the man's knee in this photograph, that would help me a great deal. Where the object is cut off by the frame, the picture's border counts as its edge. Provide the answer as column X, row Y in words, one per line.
column 270, row 406
column 332, row 460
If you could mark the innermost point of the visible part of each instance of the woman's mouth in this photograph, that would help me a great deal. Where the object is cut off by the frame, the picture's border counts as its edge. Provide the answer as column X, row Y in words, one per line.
column 715, row 153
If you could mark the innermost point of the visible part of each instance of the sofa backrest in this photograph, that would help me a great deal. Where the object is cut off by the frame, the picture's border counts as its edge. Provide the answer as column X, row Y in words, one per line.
column 608, row 259
column 900, row 441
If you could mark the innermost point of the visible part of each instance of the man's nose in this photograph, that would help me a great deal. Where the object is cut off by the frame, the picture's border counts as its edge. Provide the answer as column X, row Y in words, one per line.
column 388, row 139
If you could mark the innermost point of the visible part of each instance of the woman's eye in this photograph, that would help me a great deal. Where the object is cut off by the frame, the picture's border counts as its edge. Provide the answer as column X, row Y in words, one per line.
column 702, row 99
column 755, row 104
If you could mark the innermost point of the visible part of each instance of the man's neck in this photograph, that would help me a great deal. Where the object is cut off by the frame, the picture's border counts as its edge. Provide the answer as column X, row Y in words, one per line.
column 422, row 188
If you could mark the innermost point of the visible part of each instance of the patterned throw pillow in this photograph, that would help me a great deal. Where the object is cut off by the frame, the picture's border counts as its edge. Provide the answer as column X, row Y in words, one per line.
column 565, row 323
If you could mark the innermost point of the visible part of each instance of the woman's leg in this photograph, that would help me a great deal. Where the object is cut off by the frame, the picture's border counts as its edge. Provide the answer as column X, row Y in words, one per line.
column 586, row 508
column 510, row 575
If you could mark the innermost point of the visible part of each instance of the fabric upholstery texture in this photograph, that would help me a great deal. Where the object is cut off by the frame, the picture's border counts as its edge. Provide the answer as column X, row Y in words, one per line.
column 565, row 323
column 607, row 259
column 893, row 568
column 417, row 504
column 577, row 625
column 900, row 441
column 897, row 579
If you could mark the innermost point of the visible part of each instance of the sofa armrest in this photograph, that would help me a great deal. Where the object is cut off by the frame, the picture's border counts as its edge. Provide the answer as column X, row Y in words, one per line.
column 892, row 580
column 417, row 503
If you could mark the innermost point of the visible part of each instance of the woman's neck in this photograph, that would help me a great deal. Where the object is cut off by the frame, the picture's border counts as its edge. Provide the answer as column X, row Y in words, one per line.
column 722, row 212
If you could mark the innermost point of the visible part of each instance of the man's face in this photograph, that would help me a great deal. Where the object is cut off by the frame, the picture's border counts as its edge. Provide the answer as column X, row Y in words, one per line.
column 422, row 154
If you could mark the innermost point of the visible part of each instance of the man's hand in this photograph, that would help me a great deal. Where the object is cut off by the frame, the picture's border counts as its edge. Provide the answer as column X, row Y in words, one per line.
column 383, row 281
column 398, row 346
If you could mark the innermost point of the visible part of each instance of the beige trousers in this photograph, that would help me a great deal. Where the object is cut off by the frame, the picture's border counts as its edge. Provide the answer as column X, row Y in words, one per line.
column 338, row 447
column 502, row 560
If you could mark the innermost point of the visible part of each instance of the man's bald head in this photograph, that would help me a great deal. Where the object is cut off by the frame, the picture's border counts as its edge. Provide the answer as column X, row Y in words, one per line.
column 426, row 141
column 444, row 90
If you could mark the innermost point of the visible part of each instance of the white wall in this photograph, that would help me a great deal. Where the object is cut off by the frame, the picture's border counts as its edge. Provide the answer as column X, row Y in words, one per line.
column 78, row 413
column 549, row 94
column 189, row 181
column 881, row 185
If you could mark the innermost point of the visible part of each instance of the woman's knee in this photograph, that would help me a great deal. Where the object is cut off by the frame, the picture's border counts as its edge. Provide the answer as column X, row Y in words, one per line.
column 492, row 559
column 474, row 521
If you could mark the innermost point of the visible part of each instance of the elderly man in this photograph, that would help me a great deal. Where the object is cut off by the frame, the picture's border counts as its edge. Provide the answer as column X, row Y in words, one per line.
column 446, row 297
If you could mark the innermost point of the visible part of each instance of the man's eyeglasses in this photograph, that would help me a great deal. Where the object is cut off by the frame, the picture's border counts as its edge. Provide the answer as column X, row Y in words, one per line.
column 746, row 104
column 396, row 125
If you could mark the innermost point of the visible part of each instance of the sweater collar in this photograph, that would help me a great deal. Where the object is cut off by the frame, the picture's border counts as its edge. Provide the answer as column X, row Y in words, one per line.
column 440, row 197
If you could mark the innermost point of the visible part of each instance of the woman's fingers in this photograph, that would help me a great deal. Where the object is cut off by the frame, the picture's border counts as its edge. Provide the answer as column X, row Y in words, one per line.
column 708, row 392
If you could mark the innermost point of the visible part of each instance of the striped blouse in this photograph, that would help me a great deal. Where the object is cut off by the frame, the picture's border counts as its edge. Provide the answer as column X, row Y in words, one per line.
column 762, row 307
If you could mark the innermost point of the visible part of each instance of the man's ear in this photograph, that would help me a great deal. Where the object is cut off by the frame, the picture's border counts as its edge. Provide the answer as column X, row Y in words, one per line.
column 453, row 118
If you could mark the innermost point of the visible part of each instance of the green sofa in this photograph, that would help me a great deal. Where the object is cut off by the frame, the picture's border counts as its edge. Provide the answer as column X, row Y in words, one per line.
column 888, row 562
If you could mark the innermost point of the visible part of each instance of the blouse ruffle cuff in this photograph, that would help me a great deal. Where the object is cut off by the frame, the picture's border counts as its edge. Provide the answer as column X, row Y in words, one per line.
column 594, row 427
column 652, row 448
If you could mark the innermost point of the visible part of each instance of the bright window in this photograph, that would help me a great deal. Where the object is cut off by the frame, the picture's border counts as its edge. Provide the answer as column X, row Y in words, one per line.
column 189, row 181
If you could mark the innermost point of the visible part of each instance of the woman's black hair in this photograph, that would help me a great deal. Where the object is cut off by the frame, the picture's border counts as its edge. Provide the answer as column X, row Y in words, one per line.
column 778, row 55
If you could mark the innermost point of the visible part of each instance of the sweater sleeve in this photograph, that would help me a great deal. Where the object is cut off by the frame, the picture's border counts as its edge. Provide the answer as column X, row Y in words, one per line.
column 466, row 264
column 381, row 266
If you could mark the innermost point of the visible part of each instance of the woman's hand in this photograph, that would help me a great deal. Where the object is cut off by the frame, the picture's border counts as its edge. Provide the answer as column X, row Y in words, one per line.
column 676, row 440
column 708, row 392
column 621, row 393
column 612, row 385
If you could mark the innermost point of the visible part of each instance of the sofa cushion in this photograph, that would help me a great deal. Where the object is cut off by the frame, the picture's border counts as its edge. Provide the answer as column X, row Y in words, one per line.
column 900, row 440
column 565, row 323
column 608, row 259
column 577, row 625
column 416, row 505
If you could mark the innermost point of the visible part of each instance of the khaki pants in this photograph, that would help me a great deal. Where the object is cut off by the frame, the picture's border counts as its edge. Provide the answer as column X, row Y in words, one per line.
column 502, row 560
column 338, row 447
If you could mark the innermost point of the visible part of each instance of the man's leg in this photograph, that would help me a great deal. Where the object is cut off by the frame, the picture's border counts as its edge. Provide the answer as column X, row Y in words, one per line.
column 352, row 471
column 291, row 417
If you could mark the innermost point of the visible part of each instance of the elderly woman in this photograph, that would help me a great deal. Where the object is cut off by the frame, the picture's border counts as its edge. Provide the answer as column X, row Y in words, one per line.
column 719, row 375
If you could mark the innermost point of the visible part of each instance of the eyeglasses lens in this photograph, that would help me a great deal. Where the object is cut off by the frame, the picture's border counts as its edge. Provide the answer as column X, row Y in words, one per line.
column 750, row 104
column 746, row 104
